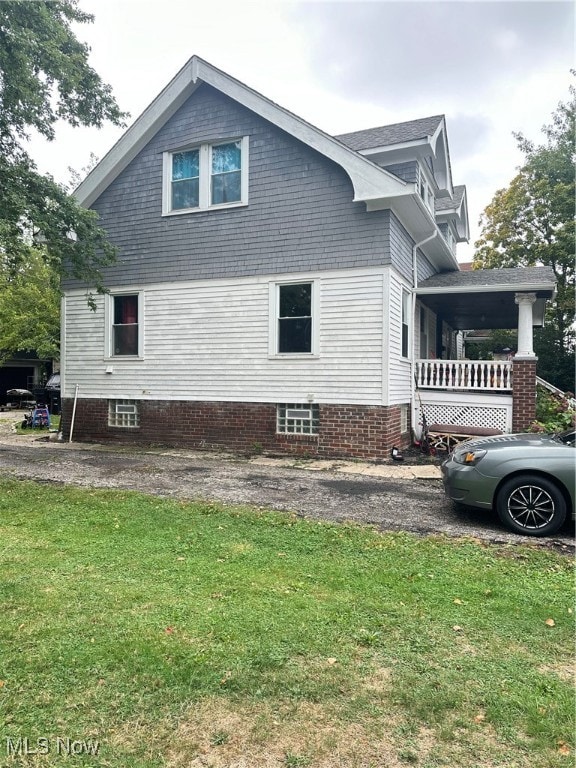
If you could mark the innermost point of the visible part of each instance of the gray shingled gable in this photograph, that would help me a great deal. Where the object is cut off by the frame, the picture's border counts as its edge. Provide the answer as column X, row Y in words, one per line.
column 450, row 203
column 397, row 133
column 491, row 278
column 370, row 181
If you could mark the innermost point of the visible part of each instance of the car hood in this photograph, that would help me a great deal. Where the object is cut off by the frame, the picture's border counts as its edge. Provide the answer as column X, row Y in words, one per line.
column 521, row 440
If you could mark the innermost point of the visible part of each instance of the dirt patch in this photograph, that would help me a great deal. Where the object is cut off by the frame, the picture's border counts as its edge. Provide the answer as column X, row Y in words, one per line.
column 219, row 733
column 222, row 733
column 564, row 672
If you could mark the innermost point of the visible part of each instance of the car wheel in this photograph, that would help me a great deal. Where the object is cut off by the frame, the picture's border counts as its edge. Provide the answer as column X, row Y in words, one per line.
column 531, row 505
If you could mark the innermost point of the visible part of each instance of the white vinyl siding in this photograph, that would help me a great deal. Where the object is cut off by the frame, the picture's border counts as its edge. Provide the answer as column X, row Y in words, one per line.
column 399, row 368
column 209, row 340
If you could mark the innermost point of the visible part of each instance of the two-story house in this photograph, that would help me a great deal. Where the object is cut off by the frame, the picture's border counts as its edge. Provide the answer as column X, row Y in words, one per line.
column 280, row 288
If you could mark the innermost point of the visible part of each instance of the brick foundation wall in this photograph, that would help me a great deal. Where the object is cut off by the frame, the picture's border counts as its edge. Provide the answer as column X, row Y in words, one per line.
column 359, row 431
column 352, row 431
column 523, row 393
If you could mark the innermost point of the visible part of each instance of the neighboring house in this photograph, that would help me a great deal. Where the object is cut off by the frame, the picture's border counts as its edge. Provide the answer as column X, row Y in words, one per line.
column 23, row 370
column 278, row 288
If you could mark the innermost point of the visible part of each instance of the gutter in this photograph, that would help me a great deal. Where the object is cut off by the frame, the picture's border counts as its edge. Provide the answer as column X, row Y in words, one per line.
column 487, row 288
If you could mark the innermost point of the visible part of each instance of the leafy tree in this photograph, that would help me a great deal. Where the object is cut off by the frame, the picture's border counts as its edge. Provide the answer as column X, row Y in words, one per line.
column 531, row 222
column 29, row 307
column 45, row 77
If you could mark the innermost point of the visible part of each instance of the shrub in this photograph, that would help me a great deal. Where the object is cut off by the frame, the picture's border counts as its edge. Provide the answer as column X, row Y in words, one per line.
column 554, row 412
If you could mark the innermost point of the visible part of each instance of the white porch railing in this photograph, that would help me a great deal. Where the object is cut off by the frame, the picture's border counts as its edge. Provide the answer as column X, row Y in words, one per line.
column 477, row 375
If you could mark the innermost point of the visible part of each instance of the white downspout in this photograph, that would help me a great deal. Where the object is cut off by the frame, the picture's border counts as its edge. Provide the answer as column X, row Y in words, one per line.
column 73, row 414
column 413, row 345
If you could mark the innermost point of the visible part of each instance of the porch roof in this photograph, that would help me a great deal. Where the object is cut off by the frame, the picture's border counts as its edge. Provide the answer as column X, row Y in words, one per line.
column 484, row 298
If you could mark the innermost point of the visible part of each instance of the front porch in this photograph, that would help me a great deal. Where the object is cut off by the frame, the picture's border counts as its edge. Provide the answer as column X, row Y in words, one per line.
column 482, row 394
column 470, row 394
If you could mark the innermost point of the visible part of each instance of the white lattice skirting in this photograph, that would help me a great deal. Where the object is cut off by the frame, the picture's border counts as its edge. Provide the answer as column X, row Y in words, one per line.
column 471, row 410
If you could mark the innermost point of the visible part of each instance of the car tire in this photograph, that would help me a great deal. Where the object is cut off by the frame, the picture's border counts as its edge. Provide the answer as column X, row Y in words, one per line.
column 533, row 506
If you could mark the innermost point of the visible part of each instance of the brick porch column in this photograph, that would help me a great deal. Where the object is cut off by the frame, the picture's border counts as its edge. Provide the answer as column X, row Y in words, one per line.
column 524, row 367
column 523, row 392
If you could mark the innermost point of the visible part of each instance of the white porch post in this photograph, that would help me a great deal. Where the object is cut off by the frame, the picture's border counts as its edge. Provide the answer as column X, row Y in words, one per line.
column 525, row 302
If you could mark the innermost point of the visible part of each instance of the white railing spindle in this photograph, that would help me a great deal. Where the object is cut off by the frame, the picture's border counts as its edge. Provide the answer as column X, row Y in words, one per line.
column 478, row 375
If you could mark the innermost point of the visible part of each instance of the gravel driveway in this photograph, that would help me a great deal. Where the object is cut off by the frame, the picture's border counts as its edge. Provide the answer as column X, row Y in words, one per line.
column 334, row 491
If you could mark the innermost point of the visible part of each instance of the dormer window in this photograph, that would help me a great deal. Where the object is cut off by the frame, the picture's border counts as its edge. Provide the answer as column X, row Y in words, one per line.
column 206, row 176
column 426, row 193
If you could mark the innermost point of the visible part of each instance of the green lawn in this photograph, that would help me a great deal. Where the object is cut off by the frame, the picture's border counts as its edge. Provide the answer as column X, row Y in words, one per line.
column 159, row 632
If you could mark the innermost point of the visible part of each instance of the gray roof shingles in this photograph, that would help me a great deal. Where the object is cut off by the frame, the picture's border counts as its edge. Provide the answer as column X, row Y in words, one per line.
column 450, row 203
column 386, row 135
column 490, row 278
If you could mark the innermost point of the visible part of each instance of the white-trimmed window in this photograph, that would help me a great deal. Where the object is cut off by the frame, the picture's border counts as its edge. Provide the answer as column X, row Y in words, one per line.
column 206, row 176
column 425, row 191
column 123, row 413
column 294, row 419
column 405, row 323
column 124, row 322
column 451, row 240
column 404, row 418
column 293, row 311
column 424, row 347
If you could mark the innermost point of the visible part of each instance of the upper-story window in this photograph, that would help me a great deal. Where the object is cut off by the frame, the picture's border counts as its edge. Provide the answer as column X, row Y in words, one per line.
column 185, row 179
column 426, row 192
column 451, row 240
column 206, row 176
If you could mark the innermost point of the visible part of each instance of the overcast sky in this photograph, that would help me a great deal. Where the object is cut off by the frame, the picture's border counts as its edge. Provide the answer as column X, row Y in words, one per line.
column 491, row 67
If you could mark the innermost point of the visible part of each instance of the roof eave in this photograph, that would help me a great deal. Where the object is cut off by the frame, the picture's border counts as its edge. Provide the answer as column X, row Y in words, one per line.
column 458, row 214
column 420, row 148
column 368, row 180
column 531, row 287
column 158, row 112
column 417, row 219
column 413, row 144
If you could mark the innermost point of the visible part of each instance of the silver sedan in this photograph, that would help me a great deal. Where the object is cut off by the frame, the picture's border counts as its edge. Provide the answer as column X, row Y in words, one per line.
column 527, row 478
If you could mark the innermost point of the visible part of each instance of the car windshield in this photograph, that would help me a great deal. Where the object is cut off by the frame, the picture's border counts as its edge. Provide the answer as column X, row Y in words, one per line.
column 568, row 437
